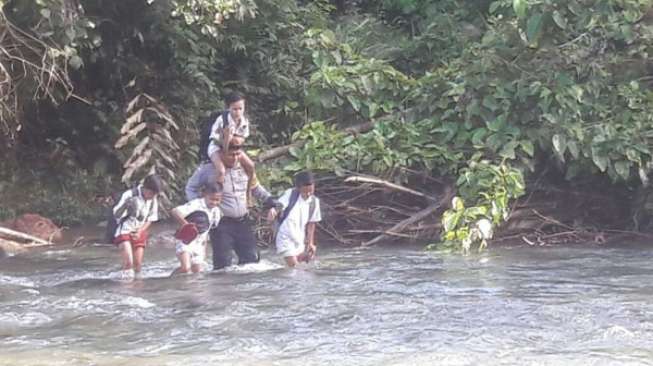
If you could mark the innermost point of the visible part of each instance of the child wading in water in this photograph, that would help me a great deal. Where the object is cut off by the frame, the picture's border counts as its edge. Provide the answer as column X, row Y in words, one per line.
column 222, row 131
column 204, row 214
column 295, row 235
column 136, row 210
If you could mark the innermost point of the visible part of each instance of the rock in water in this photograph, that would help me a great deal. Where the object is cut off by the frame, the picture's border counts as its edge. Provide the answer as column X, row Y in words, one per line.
column 35, row 225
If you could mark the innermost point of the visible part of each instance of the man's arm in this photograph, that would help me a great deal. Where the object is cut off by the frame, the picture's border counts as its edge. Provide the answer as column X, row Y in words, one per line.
column 258, row 191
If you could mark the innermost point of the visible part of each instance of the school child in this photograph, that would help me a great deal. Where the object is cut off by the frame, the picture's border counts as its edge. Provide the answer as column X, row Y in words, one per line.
column 222, row 131
column 196, row 218
column 295, row 234
column 136, row 210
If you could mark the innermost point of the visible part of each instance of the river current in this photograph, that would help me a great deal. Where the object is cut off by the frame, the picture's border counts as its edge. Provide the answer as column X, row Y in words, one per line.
column 581, row 305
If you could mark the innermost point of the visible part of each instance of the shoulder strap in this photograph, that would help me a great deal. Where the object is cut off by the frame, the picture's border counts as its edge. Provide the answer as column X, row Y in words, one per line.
column 225, row 119
column 294, row 196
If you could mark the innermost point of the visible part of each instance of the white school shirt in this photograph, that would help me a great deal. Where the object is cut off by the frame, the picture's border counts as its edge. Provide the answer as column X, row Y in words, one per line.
column 199, row 204
column 147, row 211
column 293, row 228
column 216, row 132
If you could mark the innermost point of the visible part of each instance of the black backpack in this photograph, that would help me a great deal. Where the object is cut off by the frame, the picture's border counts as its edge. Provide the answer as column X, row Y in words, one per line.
column 294, row 196
column 112, row 222
column 205, row 134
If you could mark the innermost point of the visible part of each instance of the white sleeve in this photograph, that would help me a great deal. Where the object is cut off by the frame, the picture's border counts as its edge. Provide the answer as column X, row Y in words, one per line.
column 317, row 215
column 123, row 199
column 285, row 198
column 245, row 129
column 216, row 129
column 216, row 215
column 187, row 208
column 153, row 215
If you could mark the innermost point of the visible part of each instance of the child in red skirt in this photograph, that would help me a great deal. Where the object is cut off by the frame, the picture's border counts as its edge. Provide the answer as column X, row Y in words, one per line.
column 135, row 212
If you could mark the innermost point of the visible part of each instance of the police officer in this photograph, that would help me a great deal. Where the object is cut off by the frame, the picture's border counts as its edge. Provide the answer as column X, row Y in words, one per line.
column 235, row 231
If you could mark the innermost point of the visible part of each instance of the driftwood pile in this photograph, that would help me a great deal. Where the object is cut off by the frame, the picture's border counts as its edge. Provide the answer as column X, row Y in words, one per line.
column 363, row 211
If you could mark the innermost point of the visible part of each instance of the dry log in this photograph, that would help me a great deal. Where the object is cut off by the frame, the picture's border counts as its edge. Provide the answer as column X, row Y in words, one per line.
column 22, row 236
column 401, row 225
column 10, row 247
column 417, row 217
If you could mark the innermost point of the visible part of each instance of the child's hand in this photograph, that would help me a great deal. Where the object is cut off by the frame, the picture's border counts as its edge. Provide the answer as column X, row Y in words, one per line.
column 228, row 132
column 311, row 249
column 272, row 214
column 135, row 235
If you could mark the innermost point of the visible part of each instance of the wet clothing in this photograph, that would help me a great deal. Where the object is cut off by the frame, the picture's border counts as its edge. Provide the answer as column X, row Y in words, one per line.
column 136, row 212
column 291, row 235
column 237, row 235
column 139, row 242
column 197, row 247
column 235, row 230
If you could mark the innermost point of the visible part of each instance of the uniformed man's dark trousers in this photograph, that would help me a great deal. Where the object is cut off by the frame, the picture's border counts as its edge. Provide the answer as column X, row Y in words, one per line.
column 233, row 235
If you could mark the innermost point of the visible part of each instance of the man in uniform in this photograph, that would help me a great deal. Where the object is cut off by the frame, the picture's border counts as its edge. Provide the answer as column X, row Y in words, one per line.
column 235, row 231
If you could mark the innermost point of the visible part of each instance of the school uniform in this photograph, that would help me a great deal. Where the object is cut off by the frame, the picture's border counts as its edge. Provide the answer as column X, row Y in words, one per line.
column 235, row 232
column 197, row 247
column 216, row 132
column 291, row 235
column 145, row 211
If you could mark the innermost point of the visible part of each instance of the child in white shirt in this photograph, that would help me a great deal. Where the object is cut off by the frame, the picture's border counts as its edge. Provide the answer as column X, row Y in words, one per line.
column 295, row 235
column 205, row 214
column 135, row 212
column 222, row 132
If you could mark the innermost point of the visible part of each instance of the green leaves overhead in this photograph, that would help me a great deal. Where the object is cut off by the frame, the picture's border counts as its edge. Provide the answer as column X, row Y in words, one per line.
column 520, row 7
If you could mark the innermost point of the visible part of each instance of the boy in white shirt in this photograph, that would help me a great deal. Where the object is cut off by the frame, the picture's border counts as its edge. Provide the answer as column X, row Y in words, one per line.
column 204, row 214
column 295, row 234
column 222, row 131
column 135, row 212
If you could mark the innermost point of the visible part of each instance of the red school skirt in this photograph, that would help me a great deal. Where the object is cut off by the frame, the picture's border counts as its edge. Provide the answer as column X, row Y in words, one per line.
column 139, row 242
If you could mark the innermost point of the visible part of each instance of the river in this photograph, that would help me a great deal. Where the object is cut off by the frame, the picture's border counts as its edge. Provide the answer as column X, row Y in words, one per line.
column 581, row 305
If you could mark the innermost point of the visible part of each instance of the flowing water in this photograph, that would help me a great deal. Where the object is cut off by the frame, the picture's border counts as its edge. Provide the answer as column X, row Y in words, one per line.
column 382, row 306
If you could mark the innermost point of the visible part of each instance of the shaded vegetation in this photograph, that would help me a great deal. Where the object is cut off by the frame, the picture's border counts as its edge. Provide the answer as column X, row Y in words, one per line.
column 491, row 95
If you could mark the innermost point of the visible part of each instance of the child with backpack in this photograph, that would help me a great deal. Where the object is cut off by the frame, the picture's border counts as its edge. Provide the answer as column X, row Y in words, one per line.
column 196, row 218
column 136, row 210
column 230, row 123
column 295, row 225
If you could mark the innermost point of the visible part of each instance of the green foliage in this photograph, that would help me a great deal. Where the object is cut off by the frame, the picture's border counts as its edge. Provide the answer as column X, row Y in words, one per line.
column 68, row 198
column 488, row 190
column 509, row 82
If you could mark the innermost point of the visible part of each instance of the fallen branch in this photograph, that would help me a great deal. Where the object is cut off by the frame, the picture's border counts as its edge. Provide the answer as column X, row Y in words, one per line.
column 387, row 184
column 419, row 216
column 10, row 247
column 386, row 232
column 401, row 225
column 20, row 235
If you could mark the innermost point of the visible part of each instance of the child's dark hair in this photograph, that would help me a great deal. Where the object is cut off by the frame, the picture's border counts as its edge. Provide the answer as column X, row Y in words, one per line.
column 304, row 178
column 153, row 183
column 212, row 188
column 233, row 97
